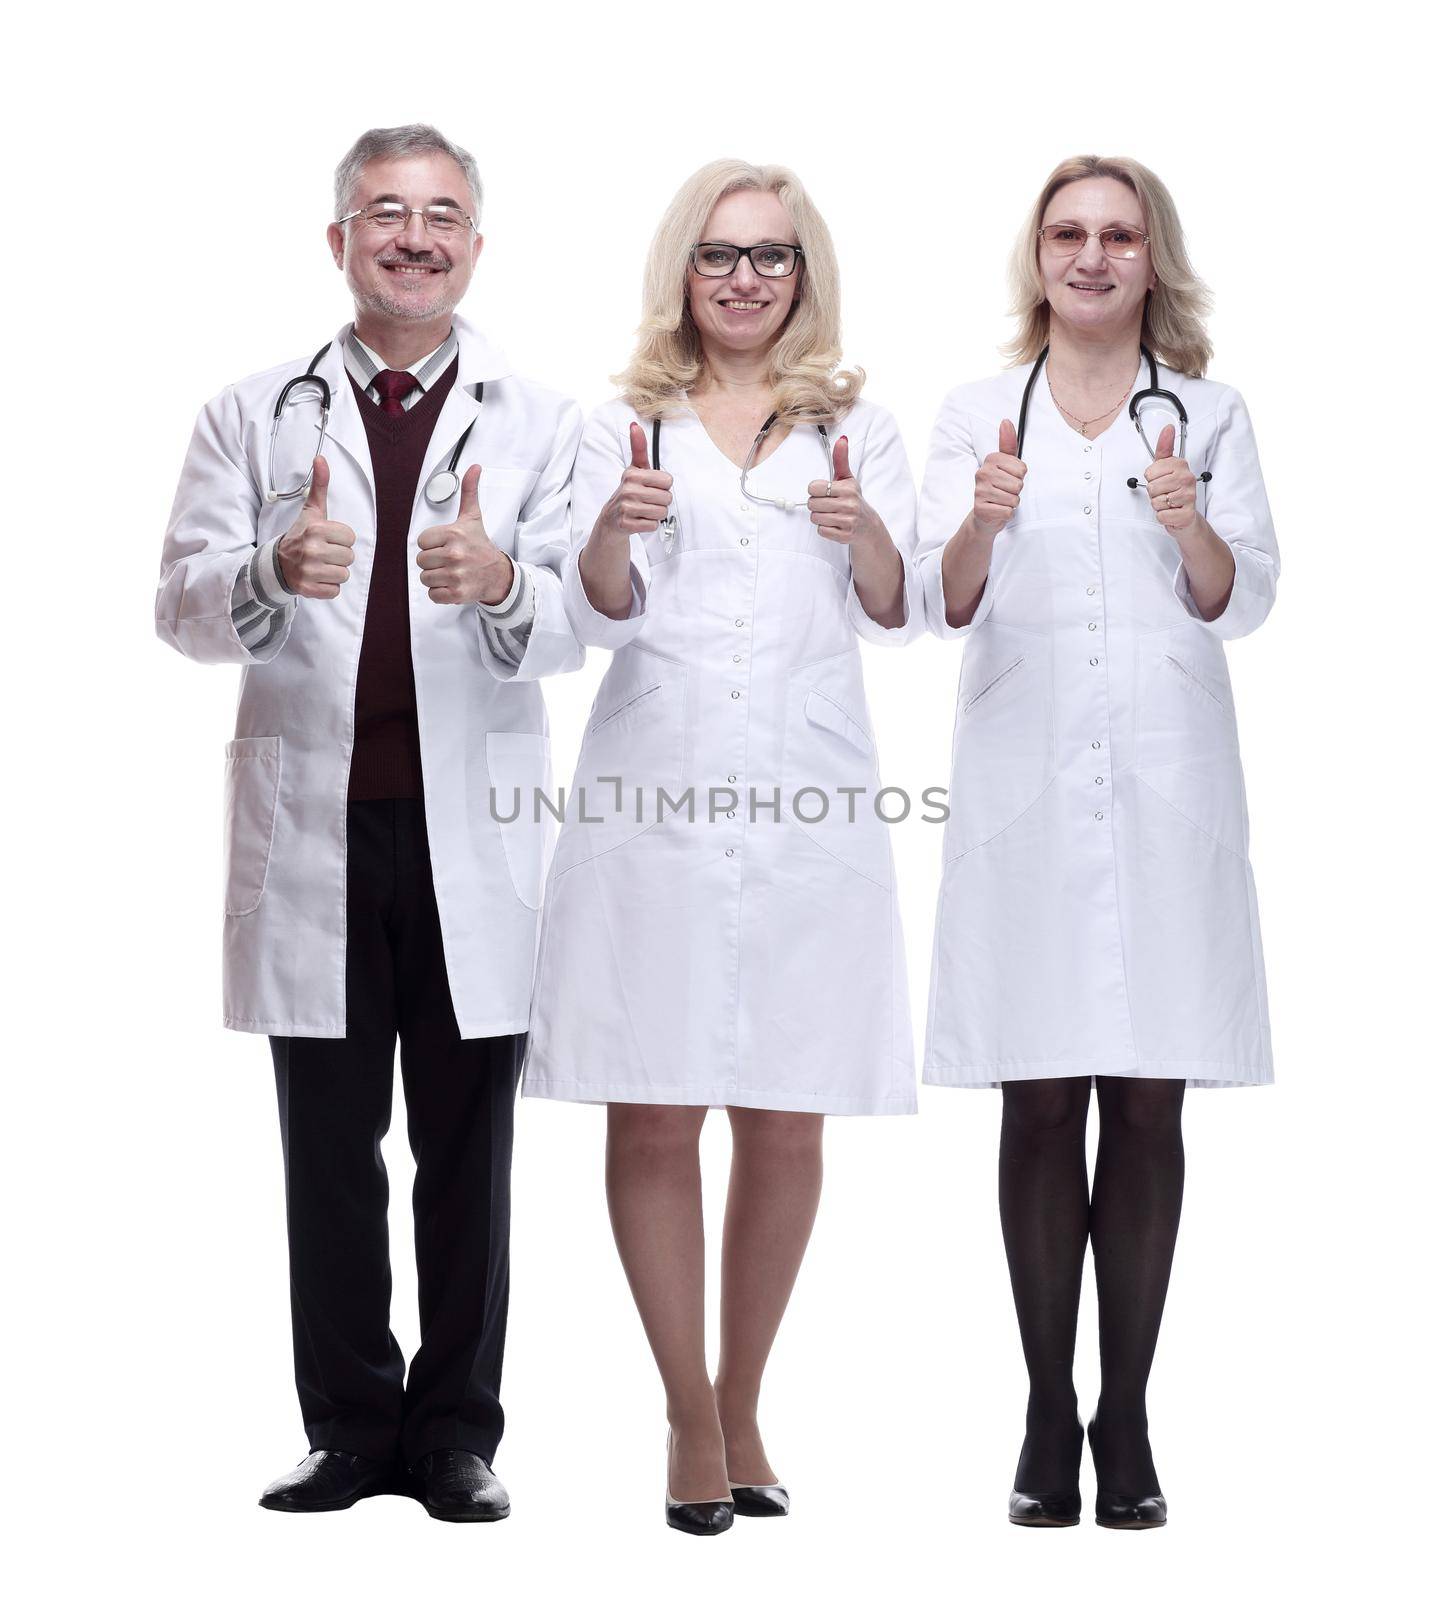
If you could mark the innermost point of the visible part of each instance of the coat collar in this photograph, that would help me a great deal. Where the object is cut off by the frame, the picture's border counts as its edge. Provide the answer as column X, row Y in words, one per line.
column 478, row 361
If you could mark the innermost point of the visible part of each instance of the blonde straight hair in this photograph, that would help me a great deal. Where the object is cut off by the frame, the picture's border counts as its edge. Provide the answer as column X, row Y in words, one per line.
column 805, row 372
column 1174, row 313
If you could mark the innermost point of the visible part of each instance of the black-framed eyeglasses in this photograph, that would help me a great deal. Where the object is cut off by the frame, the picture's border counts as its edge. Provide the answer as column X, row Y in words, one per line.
column 713, row 259
column 1067, row 239
column 392, row 216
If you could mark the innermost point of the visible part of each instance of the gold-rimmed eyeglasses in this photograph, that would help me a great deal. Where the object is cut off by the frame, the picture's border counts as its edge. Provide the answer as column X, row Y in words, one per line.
column 1067, row 239
column 392, row 216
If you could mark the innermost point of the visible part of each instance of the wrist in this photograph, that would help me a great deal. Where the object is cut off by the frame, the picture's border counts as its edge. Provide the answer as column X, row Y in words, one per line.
column 496, row 583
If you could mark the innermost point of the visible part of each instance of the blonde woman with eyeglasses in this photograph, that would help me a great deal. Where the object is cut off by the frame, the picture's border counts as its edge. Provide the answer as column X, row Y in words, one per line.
column 721, row 926
column 1093, row 525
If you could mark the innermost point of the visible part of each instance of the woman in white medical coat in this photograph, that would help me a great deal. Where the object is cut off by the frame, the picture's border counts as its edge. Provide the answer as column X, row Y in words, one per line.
column 1097, row 924
column 743, row 950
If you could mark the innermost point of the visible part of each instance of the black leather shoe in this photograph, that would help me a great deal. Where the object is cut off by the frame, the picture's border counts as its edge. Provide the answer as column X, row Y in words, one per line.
column 1124, row 1511
column 696, row 1516
column 1116, row 1509
column 699, row 1516
column 760, row 1499
column 459, row 1486
column 1045, row 1510
column 328, row 1480
column 1059, row 1508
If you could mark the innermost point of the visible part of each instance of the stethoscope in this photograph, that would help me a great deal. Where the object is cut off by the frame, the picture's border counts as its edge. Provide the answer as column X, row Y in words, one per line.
column 441, row 486
column 667, row 527
column 1135, row 406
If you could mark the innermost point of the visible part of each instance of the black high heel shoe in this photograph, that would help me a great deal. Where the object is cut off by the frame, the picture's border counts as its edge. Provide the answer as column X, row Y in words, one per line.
column 697, row 1516
column 1114, row 1508
column 1061, row 1508
column 760, row 1499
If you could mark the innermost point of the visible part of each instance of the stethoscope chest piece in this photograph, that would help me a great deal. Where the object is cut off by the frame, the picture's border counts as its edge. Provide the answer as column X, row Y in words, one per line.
column 441, row 488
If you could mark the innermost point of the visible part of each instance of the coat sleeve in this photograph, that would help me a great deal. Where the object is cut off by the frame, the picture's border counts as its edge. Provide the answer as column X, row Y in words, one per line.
column 1238, row 513
column 599, row 464
column 542, row 548
column 888, row 486
column 946, row 498
column 208, row 546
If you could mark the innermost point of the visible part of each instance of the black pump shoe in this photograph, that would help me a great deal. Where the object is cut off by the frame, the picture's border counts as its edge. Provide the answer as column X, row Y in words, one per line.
column 1115, row 1509
column 696, row 1516
column 760, row 1499
column 1058, row 1508
column 1123, row 1511
column 328, row 1480
column 699, row 1516
column 1045, row 1510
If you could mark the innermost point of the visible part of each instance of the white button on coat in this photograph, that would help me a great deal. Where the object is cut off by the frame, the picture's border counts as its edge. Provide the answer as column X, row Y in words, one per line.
column 481, row 721
column 1124, row 939
column 742, row 961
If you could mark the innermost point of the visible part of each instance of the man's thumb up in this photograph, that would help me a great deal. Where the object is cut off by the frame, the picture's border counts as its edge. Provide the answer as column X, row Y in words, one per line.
column 468, row 509
column 316, row 499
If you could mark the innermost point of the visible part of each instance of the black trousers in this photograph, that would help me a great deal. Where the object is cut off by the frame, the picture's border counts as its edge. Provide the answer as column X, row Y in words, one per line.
column 334, row 1106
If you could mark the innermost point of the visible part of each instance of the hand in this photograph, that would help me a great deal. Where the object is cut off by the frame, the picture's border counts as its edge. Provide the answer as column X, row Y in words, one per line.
column 315, row 554
column 837, row 508
column 458, row 562
column 998, row 484
column 1172, row 488
column 642, row 498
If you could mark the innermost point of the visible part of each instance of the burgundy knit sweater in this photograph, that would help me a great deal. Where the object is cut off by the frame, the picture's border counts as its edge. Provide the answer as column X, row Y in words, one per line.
column 387, row 759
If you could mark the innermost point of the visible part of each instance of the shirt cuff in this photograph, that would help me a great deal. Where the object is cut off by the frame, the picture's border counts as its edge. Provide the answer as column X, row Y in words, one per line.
column 266, row 580
column 517, row 608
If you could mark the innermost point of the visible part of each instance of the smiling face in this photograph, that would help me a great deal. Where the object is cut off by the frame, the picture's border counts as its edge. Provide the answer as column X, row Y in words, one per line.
column 1094, row 291
column 407, row 274
column 744, row 312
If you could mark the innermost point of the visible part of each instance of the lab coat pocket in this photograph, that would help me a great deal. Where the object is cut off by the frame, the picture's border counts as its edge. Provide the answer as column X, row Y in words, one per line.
column 518, row 764
column 634, row 746
column 501, row 493
column 1186, row 732
column 1003, row 735
column 250, row 809
column 828, row 749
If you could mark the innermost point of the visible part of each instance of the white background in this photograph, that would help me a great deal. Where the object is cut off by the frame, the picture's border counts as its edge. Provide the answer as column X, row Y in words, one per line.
column 170, row 175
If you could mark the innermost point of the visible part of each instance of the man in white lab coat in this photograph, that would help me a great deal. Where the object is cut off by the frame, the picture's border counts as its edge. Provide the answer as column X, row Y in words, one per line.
column 392, row 601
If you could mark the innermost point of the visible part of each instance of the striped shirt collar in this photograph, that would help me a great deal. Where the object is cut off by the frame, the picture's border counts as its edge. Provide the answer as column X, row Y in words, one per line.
column 364, row 365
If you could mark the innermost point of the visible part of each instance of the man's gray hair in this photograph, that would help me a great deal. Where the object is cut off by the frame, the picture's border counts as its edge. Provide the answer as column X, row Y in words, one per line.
column 390, row 144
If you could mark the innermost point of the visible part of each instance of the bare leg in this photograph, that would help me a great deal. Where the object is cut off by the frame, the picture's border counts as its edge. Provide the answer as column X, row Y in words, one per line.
column 775, row 1174
column 653, row 1190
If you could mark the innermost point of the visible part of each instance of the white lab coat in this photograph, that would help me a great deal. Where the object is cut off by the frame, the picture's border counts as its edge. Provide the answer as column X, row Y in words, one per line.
column 745, row 961
column 481, row 721
column 1096, row 912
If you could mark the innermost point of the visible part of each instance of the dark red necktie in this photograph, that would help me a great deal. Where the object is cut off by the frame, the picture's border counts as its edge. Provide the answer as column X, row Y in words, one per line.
column 393, row 388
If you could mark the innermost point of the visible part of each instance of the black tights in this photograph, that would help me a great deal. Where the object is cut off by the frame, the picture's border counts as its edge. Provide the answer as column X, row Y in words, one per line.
column 1048, row 1219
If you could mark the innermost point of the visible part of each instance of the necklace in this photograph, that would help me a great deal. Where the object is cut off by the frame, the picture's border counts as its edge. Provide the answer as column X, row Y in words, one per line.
column 1083, row 423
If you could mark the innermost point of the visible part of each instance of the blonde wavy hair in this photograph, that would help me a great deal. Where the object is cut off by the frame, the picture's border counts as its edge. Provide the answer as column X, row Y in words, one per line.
column 805, row 372
column 1174, row 313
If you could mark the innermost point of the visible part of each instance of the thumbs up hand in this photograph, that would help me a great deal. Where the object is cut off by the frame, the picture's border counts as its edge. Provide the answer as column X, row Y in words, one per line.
column 1172, row 488
column 315, row 554
column 459, row 564
column 642, row 498
column 838, row 509
column 998, row 484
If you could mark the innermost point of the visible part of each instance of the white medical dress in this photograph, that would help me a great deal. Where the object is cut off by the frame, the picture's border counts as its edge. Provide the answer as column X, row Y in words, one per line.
column 1096, row 911
column 739, row 957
